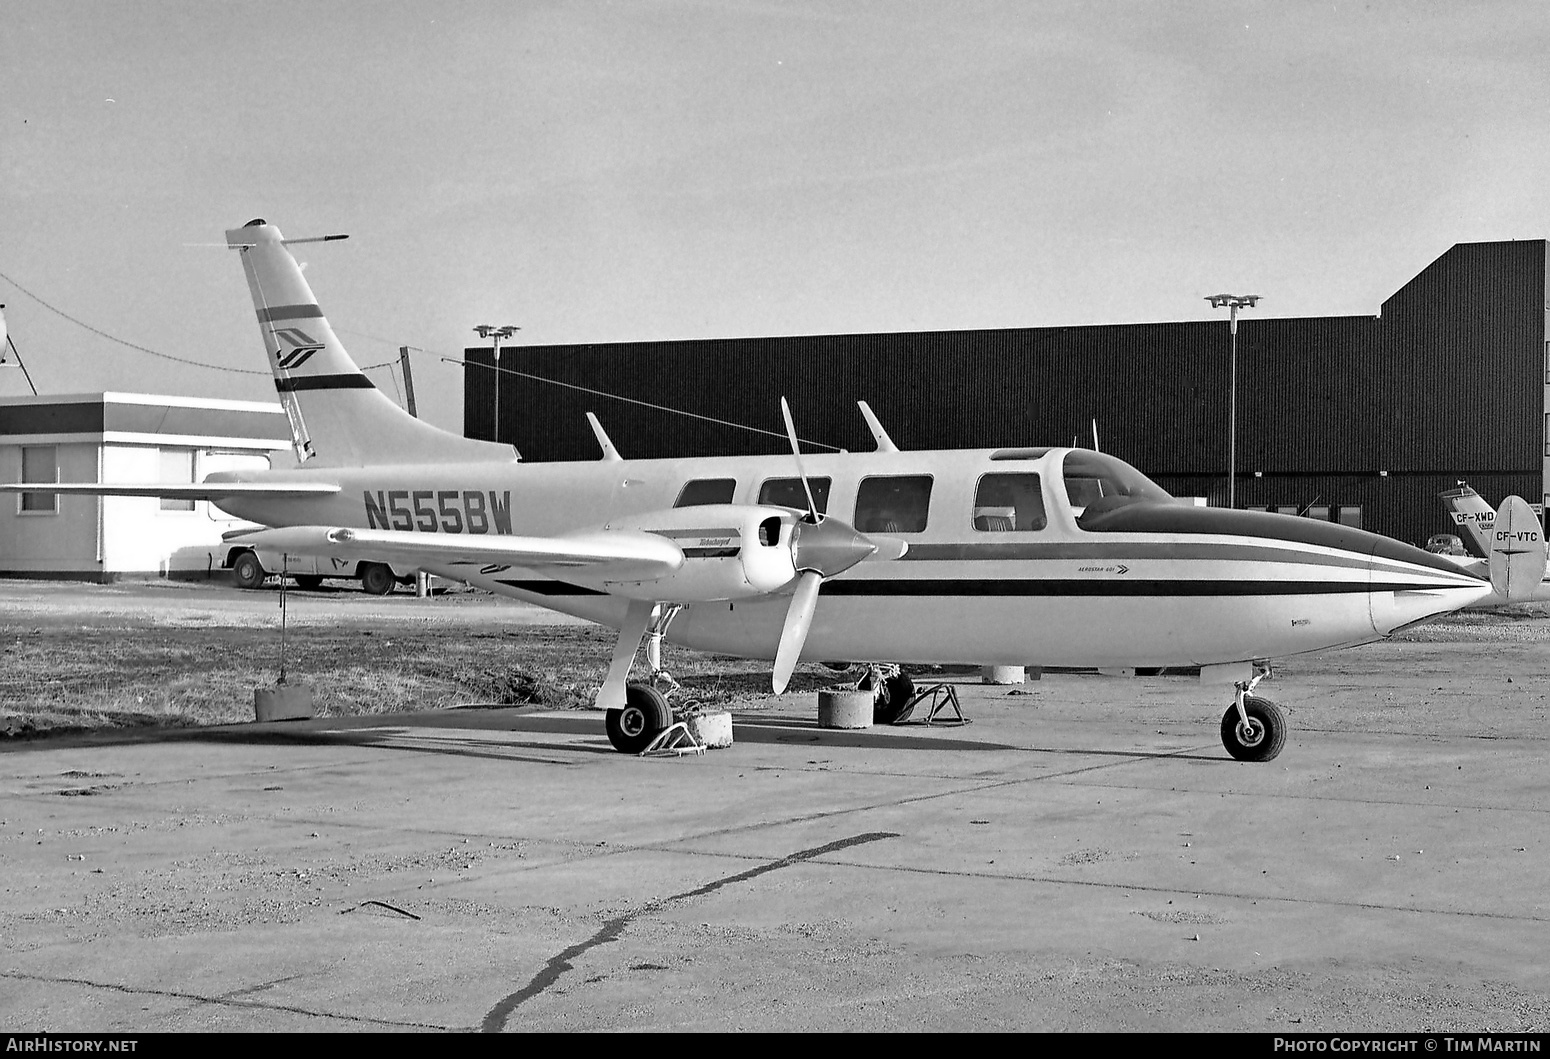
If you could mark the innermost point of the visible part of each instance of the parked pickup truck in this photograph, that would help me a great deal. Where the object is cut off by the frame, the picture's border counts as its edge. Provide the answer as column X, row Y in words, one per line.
column 250, row 567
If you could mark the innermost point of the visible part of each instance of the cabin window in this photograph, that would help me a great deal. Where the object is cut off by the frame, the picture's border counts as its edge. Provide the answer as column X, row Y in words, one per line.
column 704, row 491
column 893, row 504
column 788, row 492
column 1007, row 502
column 177, row 468
column 40, row 463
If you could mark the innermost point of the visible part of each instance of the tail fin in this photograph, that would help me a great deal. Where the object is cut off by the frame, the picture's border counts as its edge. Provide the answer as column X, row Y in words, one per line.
column 338, row 418
column 1517, row 551
column 1472, row 515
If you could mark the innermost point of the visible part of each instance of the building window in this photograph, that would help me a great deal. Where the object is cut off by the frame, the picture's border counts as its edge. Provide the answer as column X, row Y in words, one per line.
column 40, row 463
column 893, row 504
column 1318, row 511
column 1351, row 515
column 704, row 491
column 177, row 468
column 788, row 492
column 1008, row 502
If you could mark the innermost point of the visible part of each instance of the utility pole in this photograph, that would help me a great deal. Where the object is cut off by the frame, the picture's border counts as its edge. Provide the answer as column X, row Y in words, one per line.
column 403, row 364
column 495, row 334
column 6, row 343
column 1233, row 302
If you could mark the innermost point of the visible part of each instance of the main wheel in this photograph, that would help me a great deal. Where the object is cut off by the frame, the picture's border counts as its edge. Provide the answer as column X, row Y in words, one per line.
column 645, row 714
column 310, row 582
column 1265, row 735
column 893, row 700
column 377, row 579
column 247, row 571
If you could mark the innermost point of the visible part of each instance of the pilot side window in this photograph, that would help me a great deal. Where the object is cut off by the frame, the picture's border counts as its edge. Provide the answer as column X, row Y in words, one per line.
column 704, row 491
column 1007, row 502
column 788, row 492
column 893, row 504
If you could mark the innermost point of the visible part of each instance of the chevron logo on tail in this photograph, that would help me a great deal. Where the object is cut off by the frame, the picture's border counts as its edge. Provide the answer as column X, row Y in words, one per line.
column 304, row 345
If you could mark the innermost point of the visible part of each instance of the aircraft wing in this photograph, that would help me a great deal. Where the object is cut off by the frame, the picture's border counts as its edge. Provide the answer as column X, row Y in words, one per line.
column 633, row 555
column 199, row 491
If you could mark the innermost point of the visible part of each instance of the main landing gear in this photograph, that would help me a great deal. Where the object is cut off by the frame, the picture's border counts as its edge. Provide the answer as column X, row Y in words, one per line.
column 894, row 690
column 1253, row 729
column 644, row 715
column 644, row 712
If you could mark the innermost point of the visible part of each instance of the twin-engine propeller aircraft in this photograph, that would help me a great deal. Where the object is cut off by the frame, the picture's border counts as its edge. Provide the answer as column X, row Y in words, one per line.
column 1013, row 556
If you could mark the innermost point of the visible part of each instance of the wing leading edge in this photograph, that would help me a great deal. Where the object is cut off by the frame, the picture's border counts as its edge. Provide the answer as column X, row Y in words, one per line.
column 632, row 555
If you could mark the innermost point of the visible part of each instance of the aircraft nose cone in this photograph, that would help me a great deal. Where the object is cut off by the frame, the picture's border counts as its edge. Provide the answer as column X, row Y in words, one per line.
column 828, row 547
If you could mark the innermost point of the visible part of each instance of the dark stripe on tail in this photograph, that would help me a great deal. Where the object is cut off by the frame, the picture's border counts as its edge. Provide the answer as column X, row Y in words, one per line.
column 289, row 312
column 324, row 382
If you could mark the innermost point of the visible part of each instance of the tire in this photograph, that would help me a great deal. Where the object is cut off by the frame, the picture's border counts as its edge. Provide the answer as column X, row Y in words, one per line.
column 377, row 579
column 893, row 704
column 247, row 571
column 309, row 582
column 1267, row 734
column 645, row 714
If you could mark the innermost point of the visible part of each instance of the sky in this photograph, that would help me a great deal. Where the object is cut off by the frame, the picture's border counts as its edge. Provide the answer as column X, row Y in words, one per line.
column 671, row 169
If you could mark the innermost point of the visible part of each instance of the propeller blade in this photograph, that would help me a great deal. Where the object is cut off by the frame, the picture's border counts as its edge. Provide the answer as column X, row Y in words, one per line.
column 796, row 451
column 799, row 617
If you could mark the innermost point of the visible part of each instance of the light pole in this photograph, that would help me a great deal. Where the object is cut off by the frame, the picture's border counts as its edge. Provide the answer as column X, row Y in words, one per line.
column 1233, row 302
column 495, row 334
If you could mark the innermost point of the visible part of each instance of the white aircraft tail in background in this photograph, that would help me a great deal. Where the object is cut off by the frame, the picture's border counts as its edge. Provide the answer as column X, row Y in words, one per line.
column 1472, row 515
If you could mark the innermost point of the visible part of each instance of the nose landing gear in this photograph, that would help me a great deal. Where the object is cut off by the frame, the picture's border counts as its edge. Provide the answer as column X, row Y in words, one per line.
column 1253, row 729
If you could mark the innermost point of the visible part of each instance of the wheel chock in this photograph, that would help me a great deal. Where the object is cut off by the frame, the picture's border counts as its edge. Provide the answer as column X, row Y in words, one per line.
column 675, row 740
column 942, row 697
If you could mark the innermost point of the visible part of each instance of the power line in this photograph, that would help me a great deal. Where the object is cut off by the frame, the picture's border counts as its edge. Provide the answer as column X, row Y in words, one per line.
column 145, row 349
column 389, row 363
column 124, row 342
column 643, row 404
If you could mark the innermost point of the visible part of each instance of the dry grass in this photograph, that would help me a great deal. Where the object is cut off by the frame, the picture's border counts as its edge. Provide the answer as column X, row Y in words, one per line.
column 113, row 674
column 181, row 668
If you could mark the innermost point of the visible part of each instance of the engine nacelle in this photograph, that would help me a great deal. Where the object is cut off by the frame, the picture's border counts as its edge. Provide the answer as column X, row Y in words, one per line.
column 731, row 551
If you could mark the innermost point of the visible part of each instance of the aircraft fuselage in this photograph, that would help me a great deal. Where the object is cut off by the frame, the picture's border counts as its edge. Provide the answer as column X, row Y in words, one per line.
column 1152, row 584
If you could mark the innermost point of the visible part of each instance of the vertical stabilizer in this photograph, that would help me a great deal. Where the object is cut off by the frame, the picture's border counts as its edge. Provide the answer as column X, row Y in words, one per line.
column 338, row 418
column 1472, row 515
column 1517, row 551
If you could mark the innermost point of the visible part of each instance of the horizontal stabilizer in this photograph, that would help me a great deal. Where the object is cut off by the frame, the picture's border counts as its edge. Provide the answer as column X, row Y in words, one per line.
column 626, row 554
column 167, row 491
column 1517, row 551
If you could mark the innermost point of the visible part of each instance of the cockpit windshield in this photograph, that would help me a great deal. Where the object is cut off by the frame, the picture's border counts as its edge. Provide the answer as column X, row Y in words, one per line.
column 1097, row 482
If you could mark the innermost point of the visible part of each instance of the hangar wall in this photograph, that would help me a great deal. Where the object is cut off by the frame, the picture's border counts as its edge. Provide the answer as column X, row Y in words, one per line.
column 1367, row 417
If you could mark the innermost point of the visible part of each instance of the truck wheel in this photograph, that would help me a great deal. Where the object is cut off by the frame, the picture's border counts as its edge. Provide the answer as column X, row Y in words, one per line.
column 247, row 571
column 377, row 579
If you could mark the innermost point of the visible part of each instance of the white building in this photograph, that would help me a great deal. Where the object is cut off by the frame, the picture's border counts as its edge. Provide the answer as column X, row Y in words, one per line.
column 123, row 437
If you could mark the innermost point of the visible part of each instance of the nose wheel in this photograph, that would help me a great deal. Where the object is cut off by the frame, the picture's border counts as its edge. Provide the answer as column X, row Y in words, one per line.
column 1253, row 729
